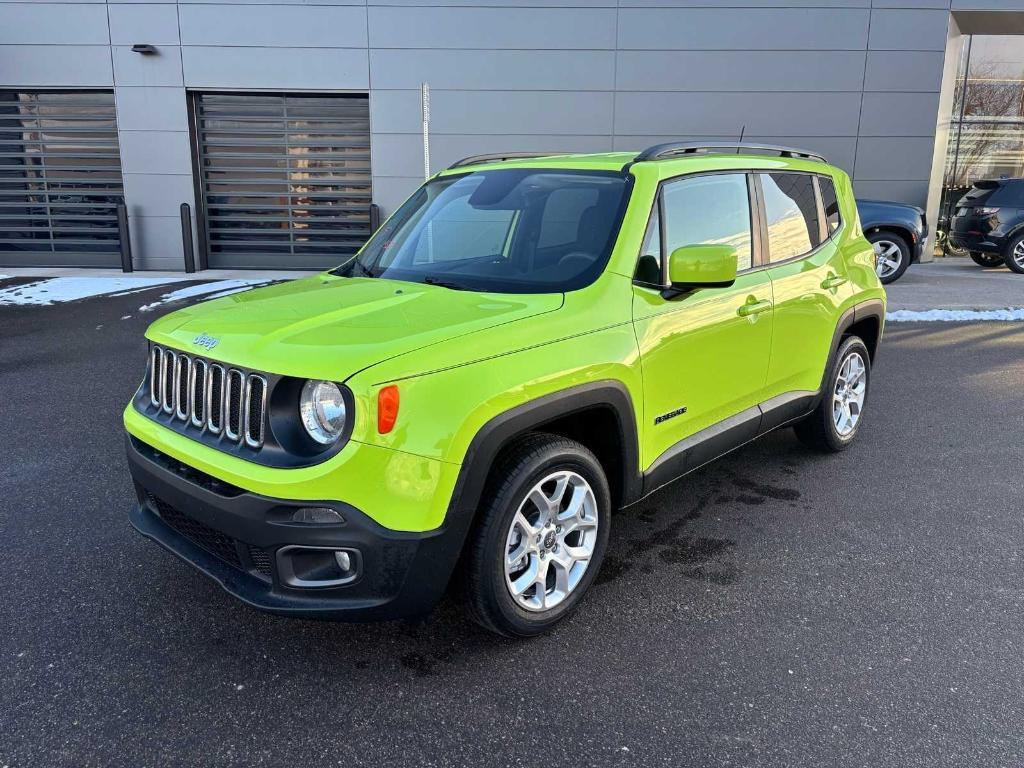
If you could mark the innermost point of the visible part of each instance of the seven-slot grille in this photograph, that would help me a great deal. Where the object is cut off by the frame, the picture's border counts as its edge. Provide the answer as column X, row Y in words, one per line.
column 209, row 395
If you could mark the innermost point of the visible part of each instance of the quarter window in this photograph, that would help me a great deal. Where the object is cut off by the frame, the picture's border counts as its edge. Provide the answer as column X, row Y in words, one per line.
column 709, row 209
column 830, row 204
column 648, row 267
column 791, row 212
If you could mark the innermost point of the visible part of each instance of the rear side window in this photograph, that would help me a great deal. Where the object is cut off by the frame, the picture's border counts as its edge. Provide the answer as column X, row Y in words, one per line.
column 830, row 204
column 791, row 212
column 709, row 209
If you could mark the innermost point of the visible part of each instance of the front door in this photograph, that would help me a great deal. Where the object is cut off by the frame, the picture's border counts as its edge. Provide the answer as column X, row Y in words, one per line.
column 704, row 355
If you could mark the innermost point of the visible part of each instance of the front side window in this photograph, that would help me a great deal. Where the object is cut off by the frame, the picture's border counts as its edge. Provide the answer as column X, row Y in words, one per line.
column 830, row 204
column 791, row 212
column 711, row 209
column 511, row 230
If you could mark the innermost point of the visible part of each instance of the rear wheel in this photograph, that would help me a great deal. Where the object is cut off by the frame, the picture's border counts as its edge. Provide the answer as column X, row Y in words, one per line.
column 892, row 255
column 541, row 538
column 1013, row 257
column 987, row 260
column 834, row 424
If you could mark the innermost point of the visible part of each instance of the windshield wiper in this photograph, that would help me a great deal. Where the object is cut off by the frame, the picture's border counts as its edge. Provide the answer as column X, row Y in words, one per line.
column 431, row 280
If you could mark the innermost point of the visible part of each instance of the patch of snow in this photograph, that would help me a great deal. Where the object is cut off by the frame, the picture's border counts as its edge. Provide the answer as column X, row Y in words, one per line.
column 955, row 315
column 58, row 290
column 217, row 289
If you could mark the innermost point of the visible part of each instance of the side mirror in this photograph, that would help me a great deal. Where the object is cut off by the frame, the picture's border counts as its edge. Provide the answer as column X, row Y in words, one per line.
column 700, row 266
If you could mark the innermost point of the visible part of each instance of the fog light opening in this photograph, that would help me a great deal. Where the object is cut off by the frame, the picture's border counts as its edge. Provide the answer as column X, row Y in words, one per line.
column 318, row 567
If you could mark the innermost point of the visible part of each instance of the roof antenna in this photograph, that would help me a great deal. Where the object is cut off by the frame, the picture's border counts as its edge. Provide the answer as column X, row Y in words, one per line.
column 743, row 129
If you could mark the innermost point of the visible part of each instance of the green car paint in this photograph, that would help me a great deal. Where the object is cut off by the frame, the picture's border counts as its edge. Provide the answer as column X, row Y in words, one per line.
column 462, row 358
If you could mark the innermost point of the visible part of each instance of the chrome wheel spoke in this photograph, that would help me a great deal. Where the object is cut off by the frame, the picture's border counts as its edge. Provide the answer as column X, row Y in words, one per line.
column 551, row 541
column 849, row 393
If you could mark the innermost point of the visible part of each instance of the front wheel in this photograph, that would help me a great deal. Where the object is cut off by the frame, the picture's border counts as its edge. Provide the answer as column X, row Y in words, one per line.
column 834, row 424
column 892, row 255
column 541, row 538
column 987, row 260
column 1014, row 255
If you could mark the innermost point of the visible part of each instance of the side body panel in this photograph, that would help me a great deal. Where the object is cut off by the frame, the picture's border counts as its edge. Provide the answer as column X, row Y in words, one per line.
column 697, row 353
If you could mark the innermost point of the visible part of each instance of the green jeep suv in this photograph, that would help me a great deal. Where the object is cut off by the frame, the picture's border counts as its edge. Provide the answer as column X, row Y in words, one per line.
column 527, row 345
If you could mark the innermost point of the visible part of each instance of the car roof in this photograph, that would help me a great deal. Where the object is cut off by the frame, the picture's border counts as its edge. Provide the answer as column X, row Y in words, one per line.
column 618, row 161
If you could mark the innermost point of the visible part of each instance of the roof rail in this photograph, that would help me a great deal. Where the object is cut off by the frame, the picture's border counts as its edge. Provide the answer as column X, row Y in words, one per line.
column 500, row 156
column 677, row 148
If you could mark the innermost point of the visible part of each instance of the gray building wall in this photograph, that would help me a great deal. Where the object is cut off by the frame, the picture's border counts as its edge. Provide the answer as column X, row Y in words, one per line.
column 858, row 80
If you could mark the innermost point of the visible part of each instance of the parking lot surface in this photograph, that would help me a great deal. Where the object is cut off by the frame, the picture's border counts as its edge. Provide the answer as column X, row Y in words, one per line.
column 777, row 608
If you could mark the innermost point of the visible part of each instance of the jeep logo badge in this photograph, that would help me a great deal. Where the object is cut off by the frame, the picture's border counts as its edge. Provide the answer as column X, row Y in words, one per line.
column 203, row 340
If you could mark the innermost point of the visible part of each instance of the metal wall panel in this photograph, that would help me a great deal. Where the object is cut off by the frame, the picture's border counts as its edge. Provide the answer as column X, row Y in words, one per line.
column 697, row 29
column 285, row 178
column 60, row 179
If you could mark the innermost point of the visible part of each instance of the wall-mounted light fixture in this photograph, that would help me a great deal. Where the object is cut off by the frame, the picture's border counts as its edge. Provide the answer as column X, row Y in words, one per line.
column 144, row 48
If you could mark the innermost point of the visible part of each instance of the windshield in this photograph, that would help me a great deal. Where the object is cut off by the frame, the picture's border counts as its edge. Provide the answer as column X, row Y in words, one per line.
column 507, row 231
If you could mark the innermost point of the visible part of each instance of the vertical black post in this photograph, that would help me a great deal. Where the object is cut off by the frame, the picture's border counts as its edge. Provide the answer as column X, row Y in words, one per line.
column 125, row 237
column 186, row 238
column 374, row 217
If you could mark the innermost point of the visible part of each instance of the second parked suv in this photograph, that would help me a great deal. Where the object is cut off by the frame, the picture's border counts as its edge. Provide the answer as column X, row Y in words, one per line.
column 989, row 223
column 525, row 346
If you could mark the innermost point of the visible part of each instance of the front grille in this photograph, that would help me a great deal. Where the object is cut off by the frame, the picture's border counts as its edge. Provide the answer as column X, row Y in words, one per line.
column 213, row 541
column 208, row 396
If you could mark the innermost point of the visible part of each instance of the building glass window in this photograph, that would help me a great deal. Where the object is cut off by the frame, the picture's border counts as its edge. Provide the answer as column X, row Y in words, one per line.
column 986, row 137
column 285, row 178
column 60, row 178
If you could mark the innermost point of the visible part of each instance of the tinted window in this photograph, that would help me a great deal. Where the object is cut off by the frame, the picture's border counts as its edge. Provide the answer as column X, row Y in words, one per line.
column 709, row 209
column 513, row 230
column 829, row 203
column 791, row 212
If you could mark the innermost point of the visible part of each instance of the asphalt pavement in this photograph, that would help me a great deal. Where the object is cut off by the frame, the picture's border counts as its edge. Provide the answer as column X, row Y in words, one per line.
column 777, row 608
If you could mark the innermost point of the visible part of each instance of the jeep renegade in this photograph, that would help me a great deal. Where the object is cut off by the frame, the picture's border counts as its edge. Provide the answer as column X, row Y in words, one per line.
column 528, row 344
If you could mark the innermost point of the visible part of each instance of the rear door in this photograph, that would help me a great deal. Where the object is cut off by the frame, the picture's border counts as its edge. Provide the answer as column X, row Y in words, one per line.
column 808, row 274
column 704, row 355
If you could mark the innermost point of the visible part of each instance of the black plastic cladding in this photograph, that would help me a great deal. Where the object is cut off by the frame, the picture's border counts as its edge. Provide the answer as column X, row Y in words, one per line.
column 285, row 442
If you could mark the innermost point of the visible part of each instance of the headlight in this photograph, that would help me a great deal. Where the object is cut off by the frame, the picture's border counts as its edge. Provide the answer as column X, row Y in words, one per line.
column 322, row 410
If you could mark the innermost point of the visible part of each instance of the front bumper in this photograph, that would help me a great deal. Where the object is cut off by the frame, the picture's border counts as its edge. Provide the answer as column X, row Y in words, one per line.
column 234, row 537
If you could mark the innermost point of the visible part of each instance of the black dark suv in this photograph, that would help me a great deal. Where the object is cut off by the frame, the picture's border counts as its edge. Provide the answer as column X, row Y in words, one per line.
column 989, row 223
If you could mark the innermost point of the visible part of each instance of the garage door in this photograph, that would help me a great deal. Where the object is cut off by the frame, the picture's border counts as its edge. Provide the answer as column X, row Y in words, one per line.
column 285, row 178
column 60, row 179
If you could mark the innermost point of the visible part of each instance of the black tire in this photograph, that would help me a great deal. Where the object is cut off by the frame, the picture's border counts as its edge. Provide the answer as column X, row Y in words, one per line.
column 888, row 236
column 514, row 475
column 1015, row 263
column 987, row 260
column 819, row 430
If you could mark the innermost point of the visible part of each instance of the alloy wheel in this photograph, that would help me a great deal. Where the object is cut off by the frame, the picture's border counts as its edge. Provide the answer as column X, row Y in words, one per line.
column 1018, row 254
column 887, row 258
column 848, row 394
column 551, row 541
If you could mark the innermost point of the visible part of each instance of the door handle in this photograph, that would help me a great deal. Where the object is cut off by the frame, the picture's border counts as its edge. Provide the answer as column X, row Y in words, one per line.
column 832, row 281
column 752, row 308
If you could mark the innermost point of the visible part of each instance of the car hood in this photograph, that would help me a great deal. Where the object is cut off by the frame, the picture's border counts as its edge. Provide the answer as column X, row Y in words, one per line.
column 328, row 327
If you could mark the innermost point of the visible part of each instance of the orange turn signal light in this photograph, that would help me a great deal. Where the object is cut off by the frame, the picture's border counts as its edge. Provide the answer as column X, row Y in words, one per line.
column 387, row 408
